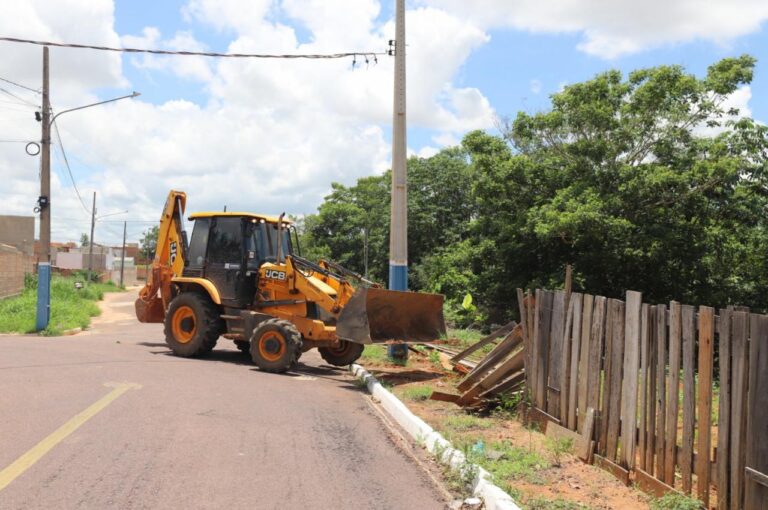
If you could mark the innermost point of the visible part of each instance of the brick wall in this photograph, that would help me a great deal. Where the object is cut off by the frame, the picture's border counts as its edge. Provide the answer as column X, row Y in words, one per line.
column 13, row 265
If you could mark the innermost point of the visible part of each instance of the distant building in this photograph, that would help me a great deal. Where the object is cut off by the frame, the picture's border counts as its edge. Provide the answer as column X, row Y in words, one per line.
column 19, row 232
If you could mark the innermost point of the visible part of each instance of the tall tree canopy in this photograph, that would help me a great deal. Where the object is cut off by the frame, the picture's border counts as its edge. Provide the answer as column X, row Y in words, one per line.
column 645, row 182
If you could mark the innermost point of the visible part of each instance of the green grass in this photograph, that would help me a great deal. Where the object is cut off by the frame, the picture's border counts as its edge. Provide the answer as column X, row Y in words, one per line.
column 417, row 392
column 466, row 337
column 70, row 307
column 515, row 463
column 374, row 353
column 552, row 504
column 379, row 353
column 466, row 422
column 675, row 501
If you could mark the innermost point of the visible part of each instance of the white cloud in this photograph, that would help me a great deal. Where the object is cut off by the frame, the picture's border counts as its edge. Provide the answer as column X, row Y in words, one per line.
column 270, row 135
column 535, row 86
column 619, row 27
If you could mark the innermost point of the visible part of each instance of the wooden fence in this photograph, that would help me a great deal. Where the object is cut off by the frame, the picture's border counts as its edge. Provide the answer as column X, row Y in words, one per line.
column 638, row 381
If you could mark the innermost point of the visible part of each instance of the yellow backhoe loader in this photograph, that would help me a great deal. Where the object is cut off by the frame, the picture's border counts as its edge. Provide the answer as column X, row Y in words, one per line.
column 239, row 278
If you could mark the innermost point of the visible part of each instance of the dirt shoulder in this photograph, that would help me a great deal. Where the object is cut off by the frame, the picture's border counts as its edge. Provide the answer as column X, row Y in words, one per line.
column 538, row 472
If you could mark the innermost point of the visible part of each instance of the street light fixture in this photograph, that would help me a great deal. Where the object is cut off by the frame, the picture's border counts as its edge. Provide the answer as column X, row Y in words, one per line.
column 44, row 266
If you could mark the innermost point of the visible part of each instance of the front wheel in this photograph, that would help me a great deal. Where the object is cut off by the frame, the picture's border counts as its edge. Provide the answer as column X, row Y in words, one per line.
column 192, row 325
column 345, row 354
column 275, row 345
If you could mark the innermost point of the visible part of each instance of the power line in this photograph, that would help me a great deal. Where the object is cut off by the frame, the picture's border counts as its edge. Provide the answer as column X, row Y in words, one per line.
column 200, row 53
column 69, row 171
column 17, row 97
column 19, row 85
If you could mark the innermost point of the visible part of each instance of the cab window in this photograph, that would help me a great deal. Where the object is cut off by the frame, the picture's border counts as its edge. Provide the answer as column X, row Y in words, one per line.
column 198, row 243
column 225, row 240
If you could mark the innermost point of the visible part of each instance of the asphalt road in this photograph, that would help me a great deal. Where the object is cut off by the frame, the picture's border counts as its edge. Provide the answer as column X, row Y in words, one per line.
column 157, row 431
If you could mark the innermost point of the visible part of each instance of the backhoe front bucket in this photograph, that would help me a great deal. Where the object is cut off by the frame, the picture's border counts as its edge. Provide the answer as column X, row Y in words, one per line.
column 375, row 315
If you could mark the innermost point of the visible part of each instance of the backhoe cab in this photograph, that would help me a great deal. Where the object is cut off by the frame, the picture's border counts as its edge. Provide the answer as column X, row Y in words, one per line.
column 239, row 278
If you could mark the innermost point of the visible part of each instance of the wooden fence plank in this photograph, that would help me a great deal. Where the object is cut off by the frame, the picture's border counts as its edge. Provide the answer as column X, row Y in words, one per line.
column 530, row 367
column 614, row 386
column 502, row 331
column 595, row 355
column 661, row 393
column 541, row 345
column 650, row 447
column 644, row 384
column 738, row 426
column 511, row 341
column 724, row 412
column 588, row 433
column 523, row 315
column 530, row 309
column 673, row 392
column 756, row 496
column 689, row 395
column 588, row 302
column 574, row 376
column 511, row 365
column 629, row 379
column 565, row 373
column 604, row 414
column 556, row 354
column 704, row 401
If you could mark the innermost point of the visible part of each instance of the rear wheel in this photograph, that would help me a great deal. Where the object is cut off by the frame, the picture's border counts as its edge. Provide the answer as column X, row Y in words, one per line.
column 192, row 325
column 345, row 354
column 275, row 345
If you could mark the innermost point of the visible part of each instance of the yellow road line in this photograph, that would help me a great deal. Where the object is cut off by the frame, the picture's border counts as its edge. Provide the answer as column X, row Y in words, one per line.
column 14, row 470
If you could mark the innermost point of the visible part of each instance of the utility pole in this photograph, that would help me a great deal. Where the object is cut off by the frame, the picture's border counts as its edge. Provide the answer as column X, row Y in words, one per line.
column 43, row 205
column 90, row 244
column 122, row 254
column 398, row 228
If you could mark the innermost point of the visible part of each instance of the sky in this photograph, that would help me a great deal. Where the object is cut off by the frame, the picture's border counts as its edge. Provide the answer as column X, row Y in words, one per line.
column 272, row 135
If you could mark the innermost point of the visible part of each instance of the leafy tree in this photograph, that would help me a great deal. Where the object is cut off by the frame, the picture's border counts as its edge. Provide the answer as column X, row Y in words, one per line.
column 84, row 240
column 645, row 182
column 148, row 242
column 622, row 179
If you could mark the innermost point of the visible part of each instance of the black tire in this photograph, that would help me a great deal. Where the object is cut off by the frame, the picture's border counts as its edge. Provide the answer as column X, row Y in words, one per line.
column 192, row 325
column 275, row 345
column 345, row 354
column 244, row 346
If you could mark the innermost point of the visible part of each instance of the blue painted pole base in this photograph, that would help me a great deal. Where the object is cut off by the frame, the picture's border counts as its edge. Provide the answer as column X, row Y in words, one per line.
column 398, row 280
column 43, row 295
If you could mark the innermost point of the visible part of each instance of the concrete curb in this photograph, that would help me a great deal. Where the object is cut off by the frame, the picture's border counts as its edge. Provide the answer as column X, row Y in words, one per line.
column 482, row 487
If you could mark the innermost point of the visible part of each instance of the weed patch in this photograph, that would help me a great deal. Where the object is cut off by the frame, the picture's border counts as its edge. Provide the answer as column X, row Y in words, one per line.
column 674, row 501
column 417, row 392
column 466, row 422
column 70, row 307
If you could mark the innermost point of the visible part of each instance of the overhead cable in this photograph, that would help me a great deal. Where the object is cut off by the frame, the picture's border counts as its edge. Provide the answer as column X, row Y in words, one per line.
column 69, row 170
column 200, row 53
column 19, row 85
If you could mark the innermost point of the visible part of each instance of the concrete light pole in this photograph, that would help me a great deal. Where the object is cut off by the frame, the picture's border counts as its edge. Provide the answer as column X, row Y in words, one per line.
column 43, row 312
column 398, row 227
